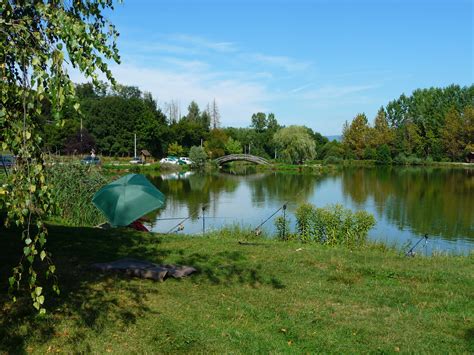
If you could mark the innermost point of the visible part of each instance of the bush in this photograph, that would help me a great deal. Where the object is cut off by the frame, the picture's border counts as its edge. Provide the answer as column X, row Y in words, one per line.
column 332, row 160
column 198, row 157
column 370, row 153
column 73, row 187
column 383, row 155
column 333, row 225
column 283, row 228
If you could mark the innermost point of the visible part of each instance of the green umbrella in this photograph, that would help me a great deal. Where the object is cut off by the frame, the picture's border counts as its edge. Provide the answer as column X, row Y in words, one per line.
column 127, row 199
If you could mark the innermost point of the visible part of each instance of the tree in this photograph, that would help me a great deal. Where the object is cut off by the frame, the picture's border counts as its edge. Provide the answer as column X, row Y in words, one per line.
column 259, row 122
column 175, row 149
column 215, row 144
column 233, row 146
column 355, row 136
column 79, row 143
column 198, row 156
column 381, row 133
column 295, row 144
column 194, row 114
column 452, row 135
column 35, row 40
column 215, row 115
column 383, row 154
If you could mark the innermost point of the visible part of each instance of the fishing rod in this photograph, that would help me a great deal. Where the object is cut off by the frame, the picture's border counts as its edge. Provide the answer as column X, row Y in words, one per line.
column 411, row 252
column 180, row 224
column 257, row 230
column 266, row 220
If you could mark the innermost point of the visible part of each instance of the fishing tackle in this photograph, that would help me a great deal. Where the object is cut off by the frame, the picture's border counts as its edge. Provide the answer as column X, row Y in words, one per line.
column 411, row 252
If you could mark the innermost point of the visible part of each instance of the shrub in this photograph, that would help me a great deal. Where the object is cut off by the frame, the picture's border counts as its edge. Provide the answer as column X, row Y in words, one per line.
column 383, row 155
column 175, row 149
column 198, row 157
column 283, row 228
column 370, row 153
column 333, row 225
column 304, row 215
column 332, row 160
column 73, row 189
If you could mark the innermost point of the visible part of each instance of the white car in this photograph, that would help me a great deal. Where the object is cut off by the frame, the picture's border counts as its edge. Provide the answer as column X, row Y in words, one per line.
column 186, row 160
column 136, row 160
column 169, row 161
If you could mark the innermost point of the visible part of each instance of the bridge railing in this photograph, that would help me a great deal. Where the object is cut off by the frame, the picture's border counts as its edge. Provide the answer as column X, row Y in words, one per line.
column 241, row 157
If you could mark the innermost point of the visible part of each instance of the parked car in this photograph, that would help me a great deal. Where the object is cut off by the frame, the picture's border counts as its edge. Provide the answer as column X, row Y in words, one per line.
column 7, row 160
column 186, row 160
column 169, row 160
column 136, row 160
column 90, row 160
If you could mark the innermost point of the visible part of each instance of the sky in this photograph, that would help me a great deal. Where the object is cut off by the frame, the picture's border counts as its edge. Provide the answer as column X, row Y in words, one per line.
column 315, row 63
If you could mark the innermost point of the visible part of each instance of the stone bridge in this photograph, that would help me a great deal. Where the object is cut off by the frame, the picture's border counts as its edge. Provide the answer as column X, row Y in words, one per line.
column 241, row 157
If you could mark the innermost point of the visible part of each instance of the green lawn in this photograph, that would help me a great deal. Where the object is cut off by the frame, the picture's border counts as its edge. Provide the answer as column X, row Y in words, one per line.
column 266, row 297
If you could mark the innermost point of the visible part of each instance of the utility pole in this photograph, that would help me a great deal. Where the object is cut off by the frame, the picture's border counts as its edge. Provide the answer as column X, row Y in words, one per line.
column 135, row 150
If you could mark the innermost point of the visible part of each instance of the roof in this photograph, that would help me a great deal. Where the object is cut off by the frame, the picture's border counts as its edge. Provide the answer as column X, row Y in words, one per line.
column 146, row 153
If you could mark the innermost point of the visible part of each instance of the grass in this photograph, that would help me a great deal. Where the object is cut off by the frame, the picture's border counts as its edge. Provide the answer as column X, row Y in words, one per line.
column 260, row 296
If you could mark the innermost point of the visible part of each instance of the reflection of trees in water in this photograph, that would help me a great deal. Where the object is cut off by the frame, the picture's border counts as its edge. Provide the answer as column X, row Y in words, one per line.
column 428, row 200
column 197, row 190
column 194, row 191
column 294, row 188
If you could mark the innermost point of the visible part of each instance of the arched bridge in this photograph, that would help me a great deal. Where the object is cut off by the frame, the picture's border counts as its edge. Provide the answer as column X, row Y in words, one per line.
column 241, row 157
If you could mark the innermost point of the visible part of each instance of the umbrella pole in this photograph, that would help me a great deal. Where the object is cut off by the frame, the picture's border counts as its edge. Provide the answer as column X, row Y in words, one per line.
column 203, row 220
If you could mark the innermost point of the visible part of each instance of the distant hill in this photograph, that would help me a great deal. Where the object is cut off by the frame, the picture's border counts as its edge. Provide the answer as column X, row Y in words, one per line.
column 337, row 138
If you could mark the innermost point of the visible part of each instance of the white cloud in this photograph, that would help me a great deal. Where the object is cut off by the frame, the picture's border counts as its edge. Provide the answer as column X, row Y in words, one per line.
column 287, row 63
column 202, row 42
column 331, row 92
column 237, row 99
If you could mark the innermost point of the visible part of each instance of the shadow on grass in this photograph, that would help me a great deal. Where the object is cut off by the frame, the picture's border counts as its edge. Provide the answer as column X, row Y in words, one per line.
column 227, row 268
column 88, row 299
column 91, row 301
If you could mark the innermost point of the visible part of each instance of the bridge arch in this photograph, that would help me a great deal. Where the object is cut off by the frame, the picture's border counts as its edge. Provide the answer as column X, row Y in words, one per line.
column 241, row 157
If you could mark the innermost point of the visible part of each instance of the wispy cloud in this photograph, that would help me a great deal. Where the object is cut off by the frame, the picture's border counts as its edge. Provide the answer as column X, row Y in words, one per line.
column 332, row 92
column 202, row 42
column 287, row 63
column 300, row 88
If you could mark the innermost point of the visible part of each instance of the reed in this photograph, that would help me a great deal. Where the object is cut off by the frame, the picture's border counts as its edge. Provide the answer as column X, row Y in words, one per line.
column 74, row 186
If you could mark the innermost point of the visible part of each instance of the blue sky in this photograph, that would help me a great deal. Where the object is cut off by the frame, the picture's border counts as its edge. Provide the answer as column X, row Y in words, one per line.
column 316, row 63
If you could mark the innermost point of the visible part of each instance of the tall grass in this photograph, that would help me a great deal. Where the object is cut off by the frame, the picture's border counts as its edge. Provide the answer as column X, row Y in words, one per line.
column 333, row 225
column 74, row 186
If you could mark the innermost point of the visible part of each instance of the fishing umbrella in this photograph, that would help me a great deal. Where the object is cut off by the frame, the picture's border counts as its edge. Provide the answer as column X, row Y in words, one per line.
column 127, row 199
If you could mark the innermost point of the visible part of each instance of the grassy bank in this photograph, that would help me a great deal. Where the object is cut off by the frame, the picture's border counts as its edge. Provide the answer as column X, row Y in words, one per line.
column 265, row 296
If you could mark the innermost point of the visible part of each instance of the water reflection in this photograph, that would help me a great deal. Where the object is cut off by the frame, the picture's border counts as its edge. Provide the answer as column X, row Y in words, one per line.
column 434, row 201
column 407, row 202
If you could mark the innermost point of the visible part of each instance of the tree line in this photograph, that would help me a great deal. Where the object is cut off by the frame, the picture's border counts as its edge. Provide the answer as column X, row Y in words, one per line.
column 109, row 118
column 431, row 124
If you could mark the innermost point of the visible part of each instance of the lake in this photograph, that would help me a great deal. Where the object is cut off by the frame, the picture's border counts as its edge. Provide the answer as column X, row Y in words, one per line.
column 407, row 202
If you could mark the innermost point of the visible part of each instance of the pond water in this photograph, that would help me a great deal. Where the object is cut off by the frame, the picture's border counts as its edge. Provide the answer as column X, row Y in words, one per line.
column 407, row 202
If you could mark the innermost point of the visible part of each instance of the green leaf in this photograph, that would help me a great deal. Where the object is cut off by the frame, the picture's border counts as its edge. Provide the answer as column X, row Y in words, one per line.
column 11, row 280
column 41, row 299
column 38, row 290
column 42, row 255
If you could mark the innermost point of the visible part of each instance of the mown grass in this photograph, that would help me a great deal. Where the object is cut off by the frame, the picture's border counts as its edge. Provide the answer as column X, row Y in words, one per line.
column 256, row 296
